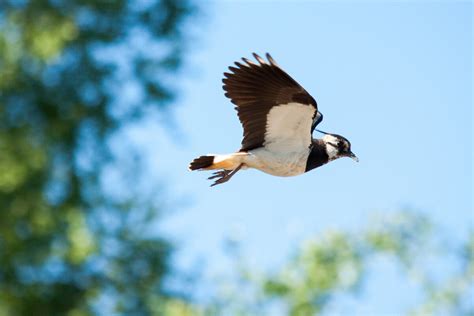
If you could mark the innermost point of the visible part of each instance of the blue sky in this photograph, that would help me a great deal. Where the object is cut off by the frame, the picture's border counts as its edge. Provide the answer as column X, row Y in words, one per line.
column 395, row 79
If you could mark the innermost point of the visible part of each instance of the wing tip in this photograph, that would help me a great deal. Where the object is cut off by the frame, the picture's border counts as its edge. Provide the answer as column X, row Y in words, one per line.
column 271, row 60
column 259, row 59
column 233, row 69
column 248, row 62
column 238, row 64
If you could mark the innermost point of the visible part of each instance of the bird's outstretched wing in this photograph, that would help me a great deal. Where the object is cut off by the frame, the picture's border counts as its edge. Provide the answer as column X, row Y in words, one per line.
column 275, row 111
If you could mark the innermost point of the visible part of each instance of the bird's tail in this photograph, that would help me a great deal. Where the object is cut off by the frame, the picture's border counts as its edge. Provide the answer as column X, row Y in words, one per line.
column 202, row 162
column 211, row 162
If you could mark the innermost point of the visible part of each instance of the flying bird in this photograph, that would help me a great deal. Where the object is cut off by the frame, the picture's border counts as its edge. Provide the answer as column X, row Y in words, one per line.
column 278, row 117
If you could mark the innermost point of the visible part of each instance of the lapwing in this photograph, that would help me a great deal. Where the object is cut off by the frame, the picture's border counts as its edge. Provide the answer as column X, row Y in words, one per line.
column 278, row 117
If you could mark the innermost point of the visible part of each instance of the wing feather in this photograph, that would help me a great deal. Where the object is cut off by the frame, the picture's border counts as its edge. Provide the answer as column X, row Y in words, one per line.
column 256, row 89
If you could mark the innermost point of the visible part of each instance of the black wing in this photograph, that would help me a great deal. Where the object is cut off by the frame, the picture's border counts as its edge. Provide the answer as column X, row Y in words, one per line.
column 256, row 89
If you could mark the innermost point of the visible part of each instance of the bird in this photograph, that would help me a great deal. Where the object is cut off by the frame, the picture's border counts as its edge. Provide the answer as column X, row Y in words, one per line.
column 278, row 117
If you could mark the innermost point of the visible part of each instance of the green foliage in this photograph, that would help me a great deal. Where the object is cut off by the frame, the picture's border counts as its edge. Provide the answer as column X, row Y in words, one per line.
column 324, row 265
column 454, row 295
column 337, row 263
column 67, row 242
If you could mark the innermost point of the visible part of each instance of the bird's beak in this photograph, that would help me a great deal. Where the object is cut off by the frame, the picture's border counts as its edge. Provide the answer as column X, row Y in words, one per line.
column 353, row 156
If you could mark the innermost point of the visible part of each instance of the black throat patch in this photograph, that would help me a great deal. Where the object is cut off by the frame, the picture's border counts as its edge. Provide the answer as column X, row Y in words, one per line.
column 318, row 156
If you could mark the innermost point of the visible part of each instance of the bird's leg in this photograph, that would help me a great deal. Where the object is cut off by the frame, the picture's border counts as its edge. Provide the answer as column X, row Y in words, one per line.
column 223, row 175
column 219, row 174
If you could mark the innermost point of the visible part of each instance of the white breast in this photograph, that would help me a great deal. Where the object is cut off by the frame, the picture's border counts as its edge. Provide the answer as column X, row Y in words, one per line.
column 280, row 164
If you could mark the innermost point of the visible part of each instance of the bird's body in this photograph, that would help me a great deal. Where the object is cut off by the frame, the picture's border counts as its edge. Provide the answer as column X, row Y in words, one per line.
column 279, row 164
column 278, row 117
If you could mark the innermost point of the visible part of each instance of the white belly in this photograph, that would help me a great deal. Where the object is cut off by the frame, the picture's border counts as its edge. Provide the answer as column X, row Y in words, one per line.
column 277, row 164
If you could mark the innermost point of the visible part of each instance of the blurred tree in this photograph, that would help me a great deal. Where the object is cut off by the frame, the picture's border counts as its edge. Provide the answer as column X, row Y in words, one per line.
column 71, row 242
column 337, row 264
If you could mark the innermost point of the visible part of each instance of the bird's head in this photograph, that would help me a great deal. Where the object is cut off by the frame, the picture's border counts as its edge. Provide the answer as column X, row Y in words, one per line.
column 337, row 146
